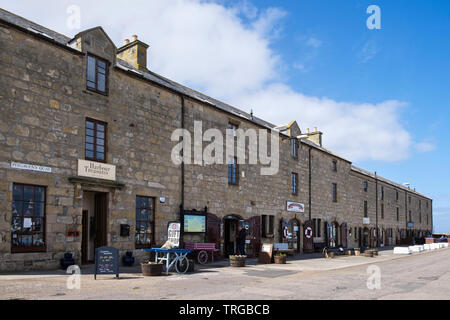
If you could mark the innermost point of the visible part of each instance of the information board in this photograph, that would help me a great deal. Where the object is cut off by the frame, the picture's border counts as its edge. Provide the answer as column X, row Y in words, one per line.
column 106, row 261
column 266, row 253
column 194, row 223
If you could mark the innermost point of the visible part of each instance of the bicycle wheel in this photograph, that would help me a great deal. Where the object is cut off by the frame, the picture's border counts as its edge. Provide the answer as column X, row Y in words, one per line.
column 202, row 257
column 182, row 265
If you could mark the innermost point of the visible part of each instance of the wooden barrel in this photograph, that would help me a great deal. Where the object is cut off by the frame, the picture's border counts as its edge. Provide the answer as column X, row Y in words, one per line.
column 151, row 269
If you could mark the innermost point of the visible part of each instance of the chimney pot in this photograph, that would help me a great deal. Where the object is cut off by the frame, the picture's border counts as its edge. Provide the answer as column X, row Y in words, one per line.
column 307, row 130
column 134, row 37
column 315, row 129
column 126, row 41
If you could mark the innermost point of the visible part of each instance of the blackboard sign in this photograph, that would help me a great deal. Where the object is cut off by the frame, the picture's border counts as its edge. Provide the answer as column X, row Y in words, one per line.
column 106, row 261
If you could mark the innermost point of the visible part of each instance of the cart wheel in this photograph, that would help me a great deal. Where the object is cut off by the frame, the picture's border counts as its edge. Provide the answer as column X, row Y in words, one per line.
column 202, row 257
column 182, row 265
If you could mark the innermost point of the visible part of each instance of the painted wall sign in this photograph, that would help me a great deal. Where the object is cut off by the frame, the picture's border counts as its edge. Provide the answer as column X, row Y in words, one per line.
column 31, row 167
column 295, row 207
column 96, row 170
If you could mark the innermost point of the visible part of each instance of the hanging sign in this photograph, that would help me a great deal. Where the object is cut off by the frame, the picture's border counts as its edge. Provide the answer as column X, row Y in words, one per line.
column 295, row 207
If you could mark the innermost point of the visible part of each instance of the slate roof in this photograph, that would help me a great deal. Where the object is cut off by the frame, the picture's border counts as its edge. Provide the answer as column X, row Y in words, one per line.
column 382, row 179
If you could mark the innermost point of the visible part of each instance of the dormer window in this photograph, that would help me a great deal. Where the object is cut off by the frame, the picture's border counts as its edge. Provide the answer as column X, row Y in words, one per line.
column 97, row 75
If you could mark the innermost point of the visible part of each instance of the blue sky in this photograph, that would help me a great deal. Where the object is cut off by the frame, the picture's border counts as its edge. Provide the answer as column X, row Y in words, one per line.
column 381, row 97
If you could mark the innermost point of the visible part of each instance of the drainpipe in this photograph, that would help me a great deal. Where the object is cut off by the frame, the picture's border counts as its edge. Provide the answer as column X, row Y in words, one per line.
column 309, row 177
column 376, row 207
column 406, row 212
column 182, row 178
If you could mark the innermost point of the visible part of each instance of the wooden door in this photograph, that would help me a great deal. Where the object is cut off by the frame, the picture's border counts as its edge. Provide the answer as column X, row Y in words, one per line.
column 213, row 229
column 253, row 228
column 344, row 234
column 85, row 237
column 308, row 239
column 101, row 212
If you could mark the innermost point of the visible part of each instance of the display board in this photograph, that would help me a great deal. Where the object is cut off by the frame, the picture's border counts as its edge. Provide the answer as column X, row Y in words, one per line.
column 173, row 233
column 266, row 253
column 106, row 261
column 194, row 223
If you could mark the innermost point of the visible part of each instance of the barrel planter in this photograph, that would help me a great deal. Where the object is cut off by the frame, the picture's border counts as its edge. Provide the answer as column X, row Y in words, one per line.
column 237, row 261
column 357, row 251
column 280, row 259
column 151, row 269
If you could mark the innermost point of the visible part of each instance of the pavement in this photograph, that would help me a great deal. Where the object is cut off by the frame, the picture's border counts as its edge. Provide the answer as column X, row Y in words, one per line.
column 418, row 276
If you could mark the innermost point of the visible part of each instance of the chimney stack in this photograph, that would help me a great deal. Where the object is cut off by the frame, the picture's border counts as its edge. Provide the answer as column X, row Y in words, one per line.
column 315, row 136
column 134, row 52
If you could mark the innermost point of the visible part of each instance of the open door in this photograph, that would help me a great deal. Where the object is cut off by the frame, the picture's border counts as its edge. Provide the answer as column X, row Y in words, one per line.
column 253, row 240
column 101, row 211
column 344, row 234
column 308, row 239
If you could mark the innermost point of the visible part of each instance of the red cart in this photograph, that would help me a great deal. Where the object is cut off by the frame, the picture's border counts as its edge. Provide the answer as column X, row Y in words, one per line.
column 202, row 249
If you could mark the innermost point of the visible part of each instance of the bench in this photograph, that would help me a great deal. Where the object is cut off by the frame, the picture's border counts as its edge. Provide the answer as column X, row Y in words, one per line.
column 283, row 248
column 203, row 249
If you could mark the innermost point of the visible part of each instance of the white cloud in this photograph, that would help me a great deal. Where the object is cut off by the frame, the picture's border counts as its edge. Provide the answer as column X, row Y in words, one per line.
column 357, row 131
column 425, row 147
column 209, row 47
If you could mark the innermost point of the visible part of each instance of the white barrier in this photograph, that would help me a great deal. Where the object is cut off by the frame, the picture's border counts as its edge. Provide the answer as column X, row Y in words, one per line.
column 417, row 248
column 427, row 246
column 402, row 250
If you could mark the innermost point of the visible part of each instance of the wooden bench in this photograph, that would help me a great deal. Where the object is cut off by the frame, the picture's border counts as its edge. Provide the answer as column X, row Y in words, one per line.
column 283, row 248
column 203, row 249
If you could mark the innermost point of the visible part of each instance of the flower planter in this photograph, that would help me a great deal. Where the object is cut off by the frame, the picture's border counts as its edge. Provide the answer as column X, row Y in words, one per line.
column 280, row 259
column 357, row 252
column 151, row 269
column 237, row 261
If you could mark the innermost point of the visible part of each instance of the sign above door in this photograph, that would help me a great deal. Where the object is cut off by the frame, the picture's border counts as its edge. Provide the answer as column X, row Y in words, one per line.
column 96, row 170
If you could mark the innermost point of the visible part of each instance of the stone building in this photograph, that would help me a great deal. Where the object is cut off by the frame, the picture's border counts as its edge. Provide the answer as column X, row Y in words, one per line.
column 86, row 161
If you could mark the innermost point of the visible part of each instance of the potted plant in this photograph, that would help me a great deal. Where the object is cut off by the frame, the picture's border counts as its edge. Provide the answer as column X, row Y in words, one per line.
column 151, row 268
column 280, row 258
column 237, row 261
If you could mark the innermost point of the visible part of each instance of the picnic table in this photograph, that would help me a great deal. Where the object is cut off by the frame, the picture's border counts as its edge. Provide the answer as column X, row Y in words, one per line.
column 172, row 259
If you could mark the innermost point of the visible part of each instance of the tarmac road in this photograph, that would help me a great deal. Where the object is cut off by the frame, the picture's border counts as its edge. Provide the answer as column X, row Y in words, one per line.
column 418, row 276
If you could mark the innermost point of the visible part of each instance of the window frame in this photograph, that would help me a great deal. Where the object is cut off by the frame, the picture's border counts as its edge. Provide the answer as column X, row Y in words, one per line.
column 294, row 148
column 152, row 222
column 366, row 209
column 294, row 187
column 334, row 192
column 97, row 59
column 96, row 122
column 365, row 185
column 234, row 166
column 334, row 165
column 30, row 249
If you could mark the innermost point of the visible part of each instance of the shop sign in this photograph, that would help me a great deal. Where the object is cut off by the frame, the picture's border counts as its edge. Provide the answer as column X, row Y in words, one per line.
column 31, row 167
column 295, row 207
column 410, row 224
column 366, row 220
column 96, row 170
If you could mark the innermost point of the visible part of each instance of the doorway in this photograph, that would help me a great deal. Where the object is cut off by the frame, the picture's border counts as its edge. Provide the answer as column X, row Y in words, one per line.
column 231, row 224
column 94, row 224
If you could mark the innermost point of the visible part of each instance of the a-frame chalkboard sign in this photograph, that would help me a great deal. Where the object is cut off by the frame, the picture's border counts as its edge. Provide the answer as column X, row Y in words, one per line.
column 106, row 261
